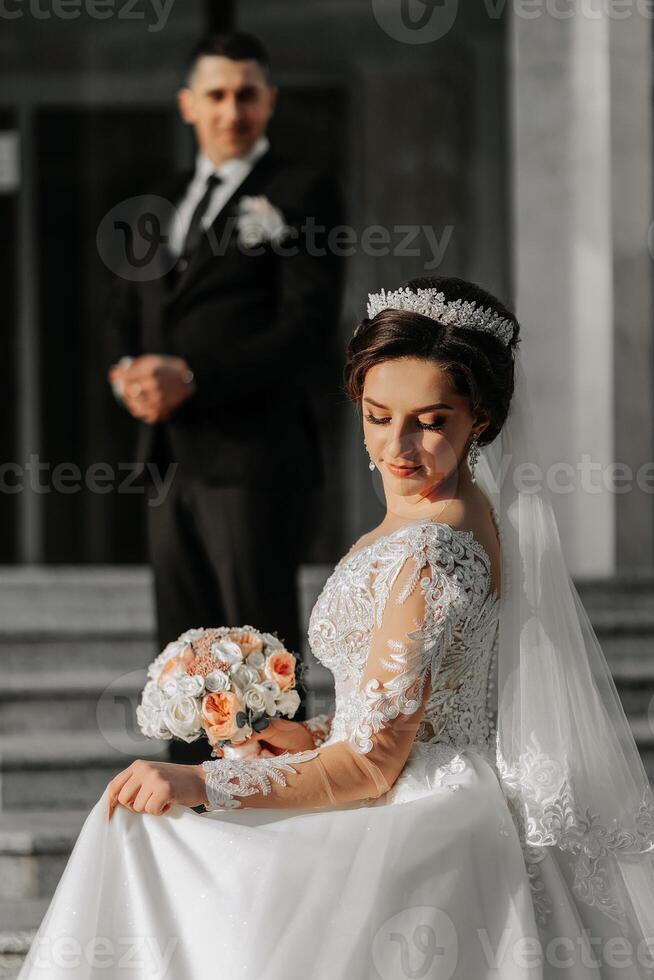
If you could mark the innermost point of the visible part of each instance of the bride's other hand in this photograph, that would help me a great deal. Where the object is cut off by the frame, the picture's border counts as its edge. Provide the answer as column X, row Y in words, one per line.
column 282, row 733
column 153, row 787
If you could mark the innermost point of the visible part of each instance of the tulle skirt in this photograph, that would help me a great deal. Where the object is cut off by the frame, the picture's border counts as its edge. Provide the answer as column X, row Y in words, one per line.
column 429, row 881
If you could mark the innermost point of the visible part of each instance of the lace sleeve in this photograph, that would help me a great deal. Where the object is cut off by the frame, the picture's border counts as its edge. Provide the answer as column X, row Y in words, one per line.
column 413, row 623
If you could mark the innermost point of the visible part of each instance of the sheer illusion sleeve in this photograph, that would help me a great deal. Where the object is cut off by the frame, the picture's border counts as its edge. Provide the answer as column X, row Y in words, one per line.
column 413, row 620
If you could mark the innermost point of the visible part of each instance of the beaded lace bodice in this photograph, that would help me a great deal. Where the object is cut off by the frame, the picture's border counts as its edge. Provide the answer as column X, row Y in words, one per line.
column 407, row 625
column 460, row 709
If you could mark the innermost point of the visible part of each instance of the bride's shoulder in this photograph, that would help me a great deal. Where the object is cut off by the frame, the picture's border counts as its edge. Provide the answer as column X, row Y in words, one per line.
column 475, row 518
column 475, row 515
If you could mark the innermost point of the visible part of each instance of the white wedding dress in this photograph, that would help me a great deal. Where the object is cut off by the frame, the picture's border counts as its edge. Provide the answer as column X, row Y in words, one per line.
column 389, row 851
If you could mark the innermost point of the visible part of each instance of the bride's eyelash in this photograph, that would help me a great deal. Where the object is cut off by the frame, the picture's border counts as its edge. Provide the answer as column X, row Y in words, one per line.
column 431, row 426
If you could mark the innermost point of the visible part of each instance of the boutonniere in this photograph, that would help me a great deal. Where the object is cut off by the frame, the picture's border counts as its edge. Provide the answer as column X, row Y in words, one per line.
column 259, row 221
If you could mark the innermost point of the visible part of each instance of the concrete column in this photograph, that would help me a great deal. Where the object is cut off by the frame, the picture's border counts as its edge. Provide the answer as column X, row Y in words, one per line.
column 631, row 148
column 581, row 204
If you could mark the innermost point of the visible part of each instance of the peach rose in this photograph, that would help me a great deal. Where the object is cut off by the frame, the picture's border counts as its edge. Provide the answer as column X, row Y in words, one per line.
column 189, row 655
column 248, row 642
column 176, row 665
column 280, row 667
column 219, row 710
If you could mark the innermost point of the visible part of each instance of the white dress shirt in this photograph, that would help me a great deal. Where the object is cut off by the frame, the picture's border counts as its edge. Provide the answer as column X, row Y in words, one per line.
column 232, row 173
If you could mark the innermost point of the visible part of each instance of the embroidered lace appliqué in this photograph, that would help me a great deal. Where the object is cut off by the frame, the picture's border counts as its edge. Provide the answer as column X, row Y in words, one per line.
column 227, row 779
column 539, row 785
column 460, row 619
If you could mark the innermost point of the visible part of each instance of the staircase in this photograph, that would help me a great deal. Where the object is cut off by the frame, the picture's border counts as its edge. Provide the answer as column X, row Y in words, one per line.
column 622, row 613
column 74, row 645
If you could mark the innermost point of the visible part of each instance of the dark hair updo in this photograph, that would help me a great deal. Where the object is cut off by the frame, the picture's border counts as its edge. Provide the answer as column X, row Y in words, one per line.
column 479, row 364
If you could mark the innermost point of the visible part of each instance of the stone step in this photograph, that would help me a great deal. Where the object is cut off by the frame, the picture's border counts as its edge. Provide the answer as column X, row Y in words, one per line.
column 66, row 770
column 634, row 679
column 643, row 731
column 621, row 606
column 97, row 695
column 627, row 587
column 89, row 699
column 623, row 621
column 34, row 849
column 96, row 598
column 47, row 650
column 78, row 618
column 91, row 598
column 627, row 647
column 19, row 921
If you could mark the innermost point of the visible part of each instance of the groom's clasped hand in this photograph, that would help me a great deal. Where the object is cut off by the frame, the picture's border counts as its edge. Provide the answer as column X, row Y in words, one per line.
column 152, row 386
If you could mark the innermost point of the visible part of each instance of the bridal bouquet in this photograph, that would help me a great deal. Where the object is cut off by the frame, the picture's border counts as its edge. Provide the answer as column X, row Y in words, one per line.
column 226, row 682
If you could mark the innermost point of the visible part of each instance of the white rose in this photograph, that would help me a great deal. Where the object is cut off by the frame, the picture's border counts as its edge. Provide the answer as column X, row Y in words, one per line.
column 256, row 660
column 243, row 675
column 288, row 703
column 217, row 680
column 183, row 684
column 259, row 698
column 153, row 696
column 273, row 687
column 151, row 722
column 228, row 651
column 182, row 715
column 169, row 688
column 271, row 642
column 174, row 649
column 191, row 684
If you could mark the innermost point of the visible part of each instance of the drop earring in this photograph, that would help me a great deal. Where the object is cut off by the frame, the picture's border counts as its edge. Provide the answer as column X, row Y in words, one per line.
column 371, row 465
column 473, row 456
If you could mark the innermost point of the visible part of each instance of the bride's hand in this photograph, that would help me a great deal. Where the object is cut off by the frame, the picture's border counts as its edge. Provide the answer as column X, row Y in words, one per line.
column 282, row 733
column 153, row 787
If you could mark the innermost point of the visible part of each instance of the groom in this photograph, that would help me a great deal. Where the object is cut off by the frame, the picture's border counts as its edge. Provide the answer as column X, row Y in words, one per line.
column 213, row 357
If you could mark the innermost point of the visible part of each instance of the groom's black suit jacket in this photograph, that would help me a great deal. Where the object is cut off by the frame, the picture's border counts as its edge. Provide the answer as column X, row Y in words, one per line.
column 251, row 326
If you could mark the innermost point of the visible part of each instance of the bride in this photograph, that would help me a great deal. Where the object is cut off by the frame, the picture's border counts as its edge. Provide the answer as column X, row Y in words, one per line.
column 475, row 807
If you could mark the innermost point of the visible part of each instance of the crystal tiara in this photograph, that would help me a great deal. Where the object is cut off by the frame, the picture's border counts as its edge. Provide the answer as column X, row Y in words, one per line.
column 433, row 304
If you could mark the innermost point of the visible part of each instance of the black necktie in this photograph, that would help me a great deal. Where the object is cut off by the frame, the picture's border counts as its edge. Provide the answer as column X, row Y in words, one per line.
column 195, row 230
